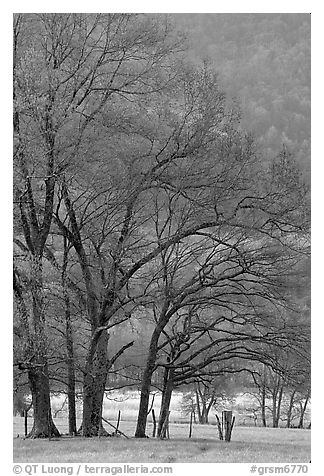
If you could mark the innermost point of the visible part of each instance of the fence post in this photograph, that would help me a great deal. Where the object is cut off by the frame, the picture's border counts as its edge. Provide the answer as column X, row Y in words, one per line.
column 190, row 425
column 228, row 423
column 154, row 423
column 26, row 425
column 117, row 424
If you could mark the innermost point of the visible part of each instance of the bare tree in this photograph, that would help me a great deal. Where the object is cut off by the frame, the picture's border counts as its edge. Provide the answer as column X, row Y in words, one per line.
column 280, row 387
column 240, row 260
column 107, row 217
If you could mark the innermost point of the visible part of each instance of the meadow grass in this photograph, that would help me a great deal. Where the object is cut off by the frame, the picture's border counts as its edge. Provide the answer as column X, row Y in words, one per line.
column 248, row 445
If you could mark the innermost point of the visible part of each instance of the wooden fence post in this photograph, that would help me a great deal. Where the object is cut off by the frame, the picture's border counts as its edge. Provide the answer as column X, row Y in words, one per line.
column 118, row 420
column 154, row 423
column 228, row 423
column 49, row 417
column 190, row 425
column 225, row 427
column 26, row 424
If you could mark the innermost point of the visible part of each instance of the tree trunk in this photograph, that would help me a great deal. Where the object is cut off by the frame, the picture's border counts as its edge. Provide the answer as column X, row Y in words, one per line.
column 95, row 378
column 290, row 408
column 146, row 382
column 263, row 406
column 274, row 406
column 38, row 377
column 71, row 395
column 303, row 411
column 69, row 346
column 274, row 413
column 279, row 400
column 202, row 408
column 94, row 383
column 166, row 400
column 204, row 415
column 144, row 400
column 198, row 405
column 43, row 426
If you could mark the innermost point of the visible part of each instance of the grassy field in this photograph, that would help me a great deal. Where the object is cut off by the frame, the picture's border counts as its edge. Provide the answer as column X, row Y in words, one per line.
column 248, row 445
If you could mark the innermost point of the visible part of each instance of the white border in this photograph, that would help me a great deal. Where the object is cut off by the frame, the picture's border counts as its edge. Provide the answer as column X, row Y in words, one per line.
column 275, row 6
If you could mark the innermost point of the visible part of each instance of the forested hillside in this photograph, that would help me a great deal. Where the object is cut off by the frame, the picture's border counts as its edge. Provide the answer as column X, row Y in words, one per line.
column 264, row 61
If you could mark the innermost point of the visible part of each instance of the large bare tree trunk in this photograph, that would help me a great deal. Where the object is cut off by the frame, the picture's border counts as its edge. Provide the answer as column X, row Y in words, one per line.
column 95, row 378
column 43, row 426
column 38, row 371
column 144, row 400
column 69, row 345
column 36, row 351
column 146, row 384
column 166, row 400
column 94, row 384
column 71, row 380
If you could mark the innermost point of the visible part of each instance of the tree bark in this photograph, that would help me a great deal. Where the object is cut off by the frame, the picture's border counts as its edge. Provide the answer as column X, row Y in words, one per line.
column 279, row 400
column 166, row 400
column 275, row 391
column 204, row 415
column 263, row 406
column 95, row 378
column 303, row 411
column 144, row 400
column 38, row 371
column 146, row 383
column 71, row 382
column 69, row 346
column 37, row 366
column 43, row 426
column 290, row 408
column 202, row 407
column 274, row 415
column 198, row 405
